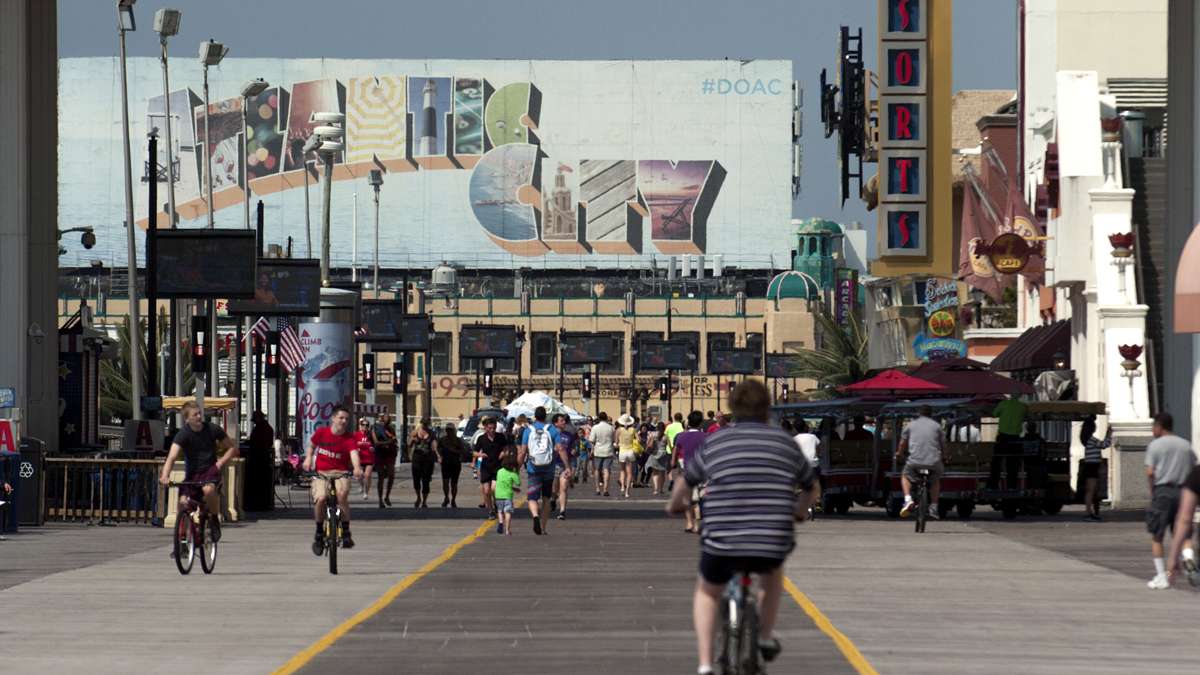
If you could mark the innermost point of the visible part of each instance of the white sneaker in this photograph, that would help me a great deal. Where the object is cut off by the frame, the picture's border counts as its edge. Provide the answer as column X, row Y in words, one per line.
column 1158, row 583
column 932, row 513
column 907, row 508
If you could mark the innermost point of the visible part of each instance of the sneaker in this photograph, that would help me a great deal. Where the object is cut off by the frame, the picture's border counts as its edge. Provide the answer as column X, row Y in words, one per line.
column 561, row 516
column 1159, row 582
column 347, row 540
column 318, row 545
column 769, row 649
column 907, row 509
column 932, row 514
column 537, row 525
column 215, row 529
column 499, row 528
column 1095, row 518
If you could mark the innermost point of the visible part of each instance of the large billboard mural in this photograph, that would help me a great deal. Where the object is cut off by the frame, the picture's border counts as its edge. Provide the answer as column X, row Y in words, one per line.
column 485, row 162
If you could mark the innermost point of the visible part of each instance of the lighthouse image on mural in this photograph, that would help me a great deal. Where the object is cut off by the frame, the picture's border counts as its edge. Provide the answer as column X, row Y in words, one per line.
column 324, row 379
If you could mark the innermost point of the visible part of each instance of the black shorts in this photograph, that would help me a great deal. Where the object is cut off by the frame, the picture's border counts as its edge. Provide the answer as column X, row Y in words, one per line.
column 719, row 569
column 1089, row 470
column 487, row 474
column 1163, row 507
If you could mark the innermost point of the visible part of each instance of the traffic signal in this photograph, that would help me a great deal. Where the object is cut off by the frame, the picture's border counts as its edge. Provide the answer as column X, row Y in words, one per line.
column 785, row 391
column 664, row 389
column 487, row 381
column 399, row 376
column 199, row 345
column 272, row 367
column 368, row 371
column 587, row 385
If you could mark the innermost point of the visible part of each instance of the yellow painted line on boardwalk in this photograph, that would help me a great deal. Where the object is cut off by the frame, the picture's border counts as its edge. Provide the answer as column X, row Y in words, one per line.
column 300, row 660
column 855, row 657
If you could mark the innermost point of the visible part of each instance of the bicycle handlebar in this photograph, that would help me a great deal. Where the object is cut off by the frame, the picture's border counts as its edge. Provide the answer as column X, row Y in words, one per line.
column 191, row 483
column 328, row 475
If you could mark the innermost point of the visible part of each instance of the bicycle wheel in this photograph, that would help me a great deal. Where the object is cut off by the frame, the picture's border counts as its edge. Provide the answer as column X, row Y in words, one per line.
column 184, row 542
column 208, row 547
column 748, row 657
column 922, row 501
column 331, row 539
column 727, row 644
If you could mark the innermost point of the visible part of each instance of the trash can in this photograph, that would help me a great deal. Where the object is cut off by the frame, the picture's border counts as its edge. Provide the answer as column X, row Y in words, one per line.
column 9, row 473
column 31, row 505
column 259, row 487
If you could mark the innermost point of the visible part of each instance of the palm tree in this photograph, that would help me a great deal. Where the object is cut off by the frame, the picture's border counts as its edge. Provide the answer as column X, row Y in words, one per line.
column 841, row 355
column 114, row 373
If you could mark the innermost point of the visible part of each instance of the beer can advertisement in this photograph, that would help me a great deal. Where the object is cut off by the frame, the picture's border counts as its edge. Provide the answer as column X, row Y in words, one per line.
column 325, row 378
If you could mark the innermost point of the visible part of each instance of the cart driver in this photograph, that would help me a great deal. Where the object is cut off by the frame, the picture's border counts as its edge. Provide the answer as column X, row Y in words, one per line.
column 922, row 442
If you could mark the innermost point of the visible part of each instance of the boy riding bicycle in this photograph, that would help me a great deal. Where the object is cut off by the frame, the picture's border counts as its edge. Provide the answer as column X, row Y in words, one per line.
column 747, row 463
column 199, row 441
column 336, row 452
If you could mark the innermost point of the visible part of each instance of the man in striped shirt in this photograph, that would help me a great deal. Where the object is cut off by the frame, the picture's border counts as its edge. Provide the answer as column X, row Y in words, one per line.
column 751, row 471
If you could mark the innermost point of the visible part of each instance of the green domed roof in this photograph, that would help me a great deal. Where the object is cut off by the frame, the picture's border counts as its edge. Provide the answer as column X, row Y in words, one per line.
column 788, row 285
column 818, row 225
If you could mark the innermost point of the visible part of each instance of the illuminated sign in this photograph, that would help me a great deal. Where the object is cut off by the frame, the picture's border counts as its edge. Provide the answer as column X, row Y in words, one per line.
column 904, row 128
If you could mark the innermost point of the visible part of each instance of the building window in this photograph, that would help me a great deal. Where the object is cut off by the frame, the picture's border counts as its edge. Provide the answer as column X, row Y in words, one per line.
column 439, row 353
column 466, row 365
column 545, row 353
column 717, row 341
column 755, row 341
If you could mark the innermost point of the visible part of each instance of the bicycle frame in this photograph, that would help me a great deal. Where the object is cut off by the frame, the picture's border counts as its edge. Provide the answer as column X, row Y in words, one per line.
column 739, row 639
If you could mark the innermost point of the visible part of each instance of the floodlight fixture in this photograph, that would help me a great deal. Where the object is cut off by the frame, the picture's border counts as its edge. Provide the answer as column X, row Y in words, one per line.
column 125, row 20
column 211, row 52
column 254, row 87
column 311, row 144
column 330, row 146
column 166, row 22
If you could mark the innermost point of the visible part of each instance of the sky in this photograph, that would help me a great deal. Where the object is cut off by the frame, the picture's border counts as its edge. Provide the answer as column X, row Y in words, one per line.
column 804, row 31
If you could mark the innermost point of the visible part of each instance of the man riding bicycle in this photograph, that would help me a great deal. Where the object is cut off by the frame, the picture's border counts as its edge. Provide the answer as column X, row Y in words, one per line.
column 336, row 453
column 199, row 441
column 751, row 471
column 922, row 442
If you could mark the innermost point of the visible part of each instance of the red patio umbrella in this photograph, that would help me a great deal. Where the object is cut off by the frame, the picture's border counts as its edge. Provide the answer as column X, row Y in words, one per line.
column 970, row 377
column 893, row 380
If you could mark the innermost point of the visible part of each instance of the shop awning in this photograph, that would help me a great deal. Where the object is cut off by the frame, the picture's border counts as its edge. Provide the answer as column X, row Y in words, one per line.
column 1035, row 348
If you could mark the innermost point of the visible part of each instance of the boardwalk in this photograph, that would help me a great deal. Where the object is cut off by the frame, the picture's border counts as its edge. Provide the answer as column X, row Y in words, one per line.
column 607, row 591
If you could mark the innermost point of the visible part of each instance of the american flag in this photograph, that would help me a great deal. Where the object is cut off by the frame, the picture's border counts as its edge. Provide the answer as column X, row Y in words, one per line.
column 259, row 330
column 291, row 354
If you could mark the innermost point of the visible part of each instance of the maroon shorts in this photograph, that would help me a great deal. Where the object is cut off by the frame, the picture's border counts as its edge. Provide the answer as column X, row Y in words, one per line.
column 210, row 475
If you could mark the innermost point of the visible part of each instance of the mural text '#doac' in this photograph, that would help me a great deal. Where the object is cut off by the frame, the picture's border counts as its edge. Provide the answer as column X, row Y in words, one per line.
column 526, row 200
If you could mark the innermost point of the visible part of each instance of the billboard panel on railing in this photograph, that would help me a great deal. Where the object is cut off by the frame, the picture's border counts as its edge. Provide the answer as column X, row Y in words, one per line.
column 486, row 163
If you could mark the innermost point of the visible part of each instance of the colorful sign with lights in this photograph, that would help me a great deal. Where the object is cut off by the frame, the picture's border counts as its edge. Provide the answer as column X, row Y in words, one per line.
column 903, row 142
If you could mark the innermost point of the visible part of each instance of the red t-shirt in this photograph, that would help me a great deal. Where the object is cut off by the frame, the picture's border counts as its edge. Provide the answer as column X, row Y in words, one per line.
column 333, row 451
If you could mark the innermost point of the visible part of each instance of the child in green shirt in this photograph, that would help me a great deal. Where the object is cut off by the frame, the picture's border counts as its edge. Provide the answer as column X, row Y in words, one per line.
column 507, row 481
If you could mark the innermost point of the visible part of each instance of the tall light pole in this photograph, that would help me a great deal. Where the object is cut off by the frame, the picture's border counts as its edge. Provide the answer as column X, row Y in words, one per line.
column 330, row 134
column 166, row 24
column 126, row 22
column 211, row 54
column 250, row 90
column 306, row 149
column 376, row 182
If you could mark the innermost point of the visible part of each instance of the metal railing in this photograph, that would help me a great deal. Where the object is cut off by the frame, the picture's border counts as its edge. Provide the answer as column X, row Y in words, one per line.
column 104, row 490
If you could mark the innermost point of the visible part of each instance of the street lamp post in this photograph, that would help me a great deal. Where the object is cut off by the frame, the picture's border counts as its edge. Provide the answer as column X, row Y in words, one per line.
column 250, row 90
column 330, row 135
column 126, row 22
column 211, row 54
column 376, row 182
column 303, row 149
column 520, row 361
column 166, row 24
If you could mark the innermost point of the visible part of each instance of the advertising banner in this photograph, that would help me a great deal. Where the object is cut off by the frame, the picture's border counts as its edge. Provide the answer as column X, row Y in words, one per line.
column 569, row 162
column 847, row 295
column 325, row 379
column 939, row 337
